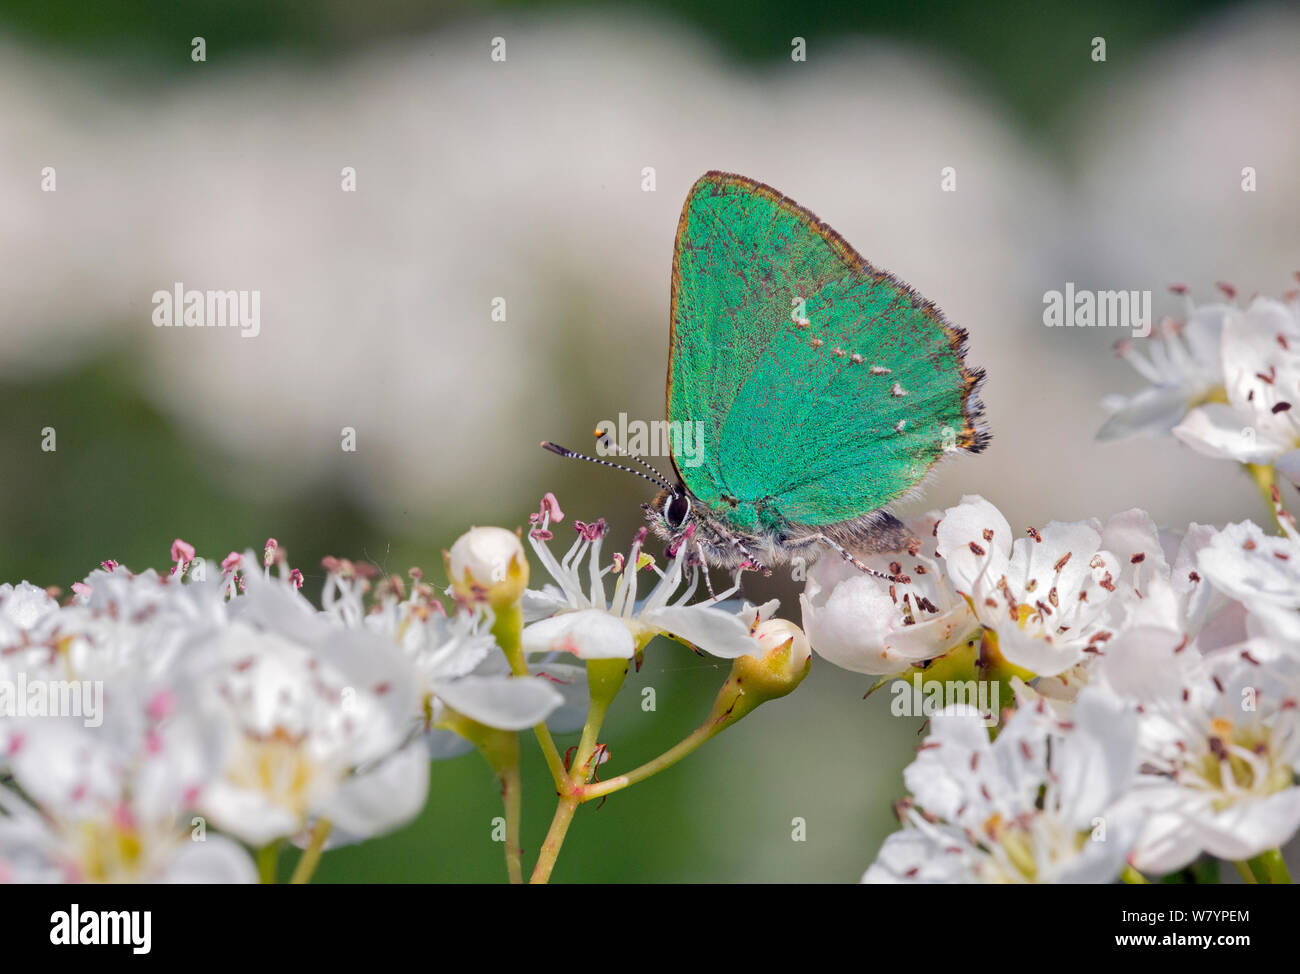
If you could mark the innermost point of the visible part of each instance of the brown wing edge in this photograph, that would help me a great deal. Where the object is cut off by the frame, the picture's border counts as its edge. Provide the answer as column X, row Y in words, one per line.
column 975, row 433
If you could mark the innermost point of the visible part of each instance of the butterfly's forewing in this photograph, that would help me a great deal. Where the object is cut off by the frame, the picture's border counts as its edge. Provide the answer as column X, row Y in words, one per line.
column 813, row 422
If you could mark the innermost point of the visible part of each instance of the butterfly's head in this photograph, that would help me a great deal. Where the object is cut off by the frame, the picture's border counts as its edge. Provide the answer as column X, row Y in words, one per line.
column 676, row 517
column 669, row 513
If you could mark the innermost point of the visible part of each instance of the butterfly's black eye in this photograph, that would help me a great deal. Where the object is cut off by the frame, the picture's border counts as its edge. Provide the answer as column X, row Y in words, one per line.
column 677, row 510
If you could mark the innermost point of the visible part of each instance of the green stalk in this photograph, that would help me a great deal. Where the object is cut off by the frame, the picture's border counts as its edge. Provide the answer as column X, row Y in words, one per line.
column 310, row 858
column 508, row 631
column 268, row 857
column 1272, row 866
column 604, row 679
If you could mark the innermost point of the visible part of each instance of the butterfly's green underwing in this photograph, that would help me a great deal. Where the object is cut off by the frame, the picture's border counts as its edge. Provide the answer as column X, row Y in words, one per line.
column 824, row 388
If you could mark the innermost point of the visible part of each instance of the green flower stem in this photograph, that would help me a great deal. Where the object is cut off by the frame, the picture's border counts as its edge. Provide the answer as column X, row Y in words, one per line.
column 1272, row 865
column 501, row 750
column 551, row 753
column 604, row 679
column 508, row 631
column 750, row 684
column 554, row 839
column 1245, row 871
column 666, row 760
column 1131, row 875
column 268, row 857
column 512, row 794
column 310, row 858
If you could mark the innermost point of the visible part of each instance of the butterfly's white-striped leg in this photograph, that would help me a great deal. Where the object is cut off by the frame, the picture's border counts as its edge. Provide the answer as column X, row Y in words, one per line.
column 704, row 567
column 853, row 560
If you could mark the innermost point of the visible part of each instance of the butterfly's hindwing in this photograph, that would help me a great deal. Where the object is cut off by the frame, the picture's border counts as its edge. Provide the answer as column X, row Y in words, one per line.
column 826, row 388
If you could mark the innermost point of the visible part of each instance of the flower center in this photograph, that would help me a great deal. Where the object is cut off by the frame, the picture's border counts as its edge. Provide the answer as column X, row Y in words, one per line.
column 109, row 852
column 1218, row 394
column 1020, row 849
column 276, row 765
column 1239, row 763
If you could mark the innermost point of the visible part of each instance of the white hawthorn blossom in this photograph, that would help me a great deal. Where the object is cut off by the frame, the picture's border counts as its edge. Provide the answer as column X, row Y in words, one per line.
column 113, row 804
column 871, row 625
column 316, row 719
column 454, row 656
column 1183, row 365
column 1039, row 804
column 1218, row 738
column 27, row 614
column 1261, row 571
column 575, row 615
column 1045, row 595
column 1258, row 423
column 133, row 626
column 298, row 718
column 1159, row 593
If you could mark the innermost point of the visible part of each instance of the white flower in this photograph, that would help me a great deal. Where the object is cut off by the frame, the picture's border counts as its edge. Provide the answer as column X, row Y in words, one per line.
column 1152, row 599
column 1037, row 805
column 1044, row 595
column 1262, row 571
column 450, row 654
column 1184, row 368
column 316, row 720
column 1259, row 423
column 134, row 626
column 113, row 804
column 577, row 617
column 1159, row 583
column 120, row 640
column 1219, row 741
column 23, row 608
column 30, row 637
column 870, row 625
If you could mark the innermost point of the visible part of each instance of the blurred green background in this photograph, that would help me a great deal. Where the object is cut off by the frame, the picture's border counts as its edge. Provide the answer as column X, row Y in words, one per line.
column 207, row 442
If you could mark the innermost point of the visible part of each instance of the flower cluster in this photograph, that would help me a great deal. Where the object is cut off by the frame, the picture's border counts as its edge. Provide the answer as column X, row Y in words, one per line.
column 1224, row 380
column 1155, row 706
column 149, row 708
column 1105, row 699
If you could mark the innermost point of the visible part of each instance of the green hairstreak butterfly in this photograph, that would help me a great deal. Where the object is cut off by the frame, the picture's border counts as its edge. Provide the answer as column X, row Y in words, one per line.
column 825, row 388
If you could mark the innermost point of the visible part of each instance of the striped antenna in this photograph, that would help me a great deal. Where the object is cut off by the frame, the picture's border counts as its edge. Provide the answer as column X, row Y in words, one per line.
column 607, row 435
column 572, row 455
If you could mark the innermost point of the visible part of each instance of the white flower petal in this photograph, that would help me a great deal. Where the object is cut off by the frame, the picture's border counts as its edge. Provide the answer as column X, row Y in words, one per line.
column 911, row 856
column 1154, row 411
column 216, row 860
column 972, row 527
column 1220, row 431
column 711, row 629
column 587, row 634
column 382, row 798
column 507, row 702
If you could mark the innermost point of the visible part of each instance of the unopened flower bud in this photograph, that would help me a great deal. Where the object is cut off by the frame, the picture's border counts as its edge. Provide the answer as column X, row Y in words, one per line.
column 784, row 661
column 488, row 565
column 786, row 655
